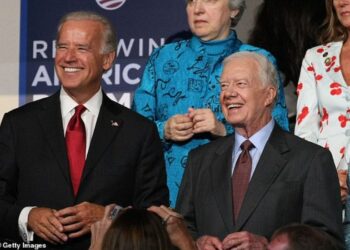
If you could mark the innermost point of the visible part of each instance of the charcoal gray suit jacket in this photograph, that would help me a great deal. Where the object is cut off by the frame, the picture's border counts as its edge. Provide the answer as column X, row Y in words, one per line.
column 294, row 181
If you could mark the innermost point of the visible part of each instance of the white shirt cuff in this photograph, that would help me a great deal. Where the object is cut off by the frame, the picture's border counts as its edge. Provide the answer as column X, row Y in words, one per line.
column 27, row 235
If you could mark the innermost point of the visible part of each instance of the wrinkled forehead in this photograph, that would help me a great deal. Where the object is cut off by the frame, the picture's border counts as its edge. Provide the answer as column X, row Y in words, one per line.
column 83, row 28
column 240, row 67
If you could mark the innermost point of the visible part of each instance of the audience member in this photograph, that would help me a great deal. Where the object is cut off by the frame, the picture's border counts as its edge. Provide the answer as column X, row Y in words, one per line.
column 139, row 229
column 301, row 237
column 63, row 158
column 239, row 189
column 323, row 98
column 180, row 85
column 323, row 101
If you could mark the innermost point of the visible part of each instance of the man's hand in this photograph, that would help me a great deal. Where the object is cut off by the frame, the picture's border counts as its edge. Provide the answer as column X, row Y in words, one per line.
column 44, row 223
column 178, row 128
column 244, row 241
column 207, row 242
column 77, row 220
column 99, row 229
column 204, row 120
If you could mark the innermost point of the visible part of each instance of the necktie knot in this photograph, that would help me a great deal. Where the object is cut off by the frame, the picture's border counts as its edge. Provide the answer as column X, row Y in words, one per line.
column 79, row 110
column 247, row 145
column 75, row 122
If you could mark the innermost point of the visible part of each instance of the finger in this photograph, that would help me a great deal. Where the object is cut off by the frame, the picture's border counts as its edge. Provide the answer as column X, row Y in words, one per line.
column 50, row 236
column 79, row 233
column 183, row 126
column 56, row 228
column 74, row 227
column 171, row 212
column 181, row 119
column 69, row 220
column 158, row 210
column 108, row 210
column 67, row 211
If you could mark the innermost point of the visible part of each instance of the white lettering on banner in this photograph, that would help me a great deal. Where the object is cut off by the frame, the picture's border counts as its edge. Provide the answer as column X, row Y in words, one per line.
column 39, row 47
column 124, row 73
column 42, row 76
column 122, row 47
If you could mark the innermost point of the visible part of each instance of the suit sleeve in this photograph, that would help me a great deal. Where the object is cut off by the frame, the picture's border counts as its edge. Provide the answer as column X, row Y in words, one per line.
column 321, row 198
column 9, row 211
column 150, row 186
column 308, row 119
column 185, row 203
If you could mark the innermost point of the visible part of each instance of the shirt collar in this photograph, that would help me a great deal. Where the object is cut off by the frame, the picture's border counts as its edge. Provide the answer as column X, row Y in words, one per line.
column 258, row 139
column 93, row 105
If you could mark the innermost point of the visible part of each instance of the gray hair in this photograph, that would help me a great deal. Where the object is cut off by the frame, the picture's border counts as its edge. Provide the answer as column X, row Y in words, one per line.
column 237, row 5
column 109, row 35
column 267, row 71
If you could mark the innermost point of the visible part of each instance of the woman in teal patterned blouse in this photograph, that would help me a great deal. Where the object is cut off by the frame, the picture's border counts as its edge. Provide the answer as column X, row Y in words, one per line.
column 180, row 85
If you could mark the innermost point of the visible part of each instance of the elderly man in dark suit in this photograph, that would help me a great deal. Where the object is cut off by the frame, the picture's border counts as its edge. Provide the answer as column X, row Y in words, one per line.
column 65, row 157
column 239, row 189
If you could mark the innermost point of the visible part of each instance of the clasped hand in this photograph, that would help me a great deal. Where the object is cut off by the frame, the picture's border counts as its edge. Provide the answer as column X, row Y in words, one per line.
column 237, row 241
column 196, row 121
column 56, row 226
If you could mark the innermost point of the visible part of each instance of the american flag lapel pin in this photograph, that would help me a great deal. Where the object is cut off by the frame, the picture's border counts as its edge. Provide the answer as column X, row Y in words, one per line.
column 114, row 123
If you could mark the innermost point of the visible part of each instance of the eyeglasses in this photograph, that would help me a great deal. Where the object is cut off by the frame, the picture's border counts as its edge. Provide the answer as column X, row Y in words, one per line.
column 206, row 2
column 226, row 85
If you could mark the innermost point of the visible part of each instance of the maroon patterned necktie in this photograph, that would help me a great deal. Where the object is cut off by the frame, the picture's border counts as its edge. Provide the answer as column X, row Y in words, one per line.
column 76, row 144
column 241, row 176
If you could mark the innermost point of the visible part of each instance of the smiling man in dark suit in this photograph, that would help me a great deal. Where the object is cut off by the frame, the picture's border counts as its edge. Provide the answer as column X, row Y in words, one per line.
column 65, row 157
column 239, row 189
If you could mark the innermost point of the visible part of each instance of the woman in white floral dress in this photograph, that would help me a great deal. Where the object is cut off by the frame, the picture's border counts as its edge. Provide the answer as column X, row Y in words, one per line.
column 323, row 106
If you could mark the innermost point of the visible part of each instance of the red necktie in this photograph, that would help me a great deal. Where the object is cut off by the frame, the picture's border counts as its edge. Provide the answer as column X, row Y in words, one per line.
column 75, row 141
column 241, row 176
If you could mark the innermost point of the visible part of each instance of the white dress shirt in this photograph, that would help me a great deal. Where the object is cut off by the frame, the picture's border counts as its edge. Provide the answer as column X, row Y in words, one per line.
column 259, row 140
column 89, row 117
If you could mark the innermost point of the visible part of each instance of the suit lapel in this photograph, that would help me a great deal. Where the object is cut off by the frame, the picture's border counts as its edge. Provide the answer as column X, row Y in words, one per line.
column 269, row 166
column 107, row 126
column 221, row 181
column 50, row 119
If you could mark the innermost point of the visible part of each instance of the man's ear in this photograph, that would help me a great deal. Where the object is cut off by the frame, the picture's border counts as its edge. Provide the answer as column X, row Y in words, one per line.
column 271, row 93
column 108, row 60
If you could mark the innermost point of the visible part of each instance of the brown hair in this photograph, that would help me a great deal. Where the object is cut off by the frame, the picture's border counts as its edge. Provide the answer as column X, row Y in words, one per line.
column 137, row 229
column 333, row 29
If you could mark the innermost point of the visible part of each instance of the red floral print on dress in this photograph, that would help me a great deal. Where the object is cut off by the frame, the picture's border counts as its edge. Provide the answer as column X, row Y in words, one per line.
column 303, row 114
column 343, row 120
column 335, row 88
column 299, row 87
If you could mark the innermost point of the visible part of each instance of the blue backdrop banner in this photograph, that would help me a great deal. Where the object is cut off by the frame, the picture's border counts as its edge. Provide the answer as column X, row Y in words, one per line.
column 141, row 26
